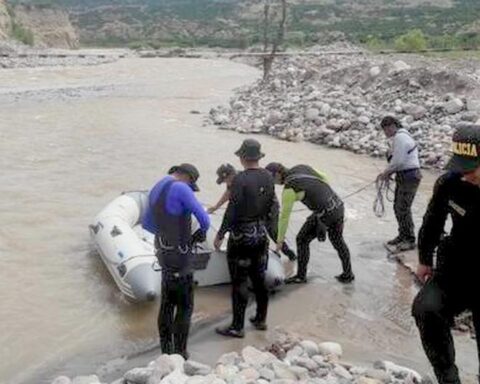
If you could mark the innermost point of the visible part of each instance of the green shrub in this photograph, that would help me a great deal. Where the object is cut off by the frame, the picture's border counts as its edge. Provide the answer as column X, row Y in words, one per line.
column 22, row 34
column 412, row 41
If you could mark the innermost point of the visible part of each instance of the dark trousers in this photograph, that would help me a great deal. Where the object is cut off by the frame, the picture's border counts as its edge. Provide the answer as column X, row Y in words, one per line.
column 405, row 191
column 434, row 309
column 175, row 313
column 248, row 262
column 315, row 228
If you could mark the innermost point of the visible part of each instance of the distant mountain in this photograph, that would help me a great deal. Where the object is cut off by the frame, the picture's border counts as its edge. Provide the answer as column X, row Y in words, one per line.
column 236, row 23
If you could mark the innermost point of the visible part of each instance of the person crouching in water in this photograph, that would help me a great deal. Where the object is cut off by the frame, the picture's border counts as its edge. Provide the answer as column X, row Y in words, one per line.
column 303, row 183
column 405, row 164
column 225, row 174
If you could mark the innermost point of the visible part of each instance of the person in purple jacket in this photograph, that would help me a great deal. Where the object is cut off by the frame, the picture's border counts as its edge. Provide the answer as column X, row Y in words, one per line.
column 171, row 205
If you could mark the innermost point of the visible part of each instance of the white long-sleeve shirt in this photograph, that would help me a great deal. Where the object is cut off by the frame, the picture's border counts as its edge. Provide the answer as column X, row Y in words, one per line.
column 404, row 153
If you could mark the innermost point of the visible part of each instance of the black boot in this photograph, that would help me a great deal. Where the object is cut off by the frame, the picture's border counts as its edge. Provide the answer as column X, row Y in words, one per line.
column 345, row 278
column 230, row 332
column 260, row 325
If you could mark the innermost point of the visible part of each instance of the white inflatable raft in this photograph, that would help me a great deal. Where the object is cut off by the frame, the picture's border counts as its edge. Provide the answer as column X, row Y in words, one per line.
column 128, row 252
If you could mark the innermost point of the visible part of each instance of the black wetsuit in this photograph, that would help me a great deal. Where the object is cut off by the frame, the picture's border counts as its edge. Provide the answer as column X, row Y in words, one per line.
column 327, row 217
column 173, row 242
column 455, row 286
column 251, row 206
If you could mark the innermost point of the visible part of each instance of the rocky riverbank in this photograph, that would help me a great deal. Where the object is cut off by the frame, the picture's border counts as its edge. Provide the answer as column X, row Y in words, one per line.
column 287, row 360
column 15, row 55
column 338, row 100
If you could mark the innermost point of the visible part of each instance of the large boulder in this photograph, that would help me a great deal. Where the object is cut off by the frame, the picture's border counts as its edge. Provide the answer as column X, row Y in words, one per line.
column 254, row 357
column 330, row 348
column 455, row 105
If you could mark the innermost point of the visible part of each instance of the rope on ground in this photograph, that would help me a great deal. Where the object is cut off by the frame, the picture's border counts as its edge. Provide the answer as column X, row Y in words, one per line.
column 386, row 192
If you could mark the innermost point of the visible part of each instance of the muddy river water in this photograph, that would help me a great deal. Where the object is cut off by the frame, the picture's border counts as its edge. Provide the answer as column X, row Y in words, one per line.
column 73, row 138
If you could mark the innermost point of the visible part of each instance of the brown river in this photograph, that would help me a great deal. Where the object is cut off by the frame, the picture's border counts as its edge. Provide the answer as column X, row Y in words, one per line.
column 73, row 138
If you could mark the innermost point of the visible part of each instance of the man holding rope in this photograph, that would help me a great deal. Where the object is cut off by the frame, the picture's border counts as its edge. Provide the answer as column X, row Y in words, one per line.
column 303, row 183
column 405, row 164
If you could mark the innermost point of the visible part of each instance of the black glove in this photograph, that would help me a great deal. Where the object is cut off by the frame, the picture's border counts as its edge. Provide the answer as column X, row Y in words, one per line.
column 199, row 236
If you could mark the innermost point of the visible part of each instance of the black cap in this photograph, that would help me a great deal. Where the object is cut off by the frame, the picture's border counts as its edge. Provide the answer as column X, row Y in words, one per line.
column 274, row 168
column 250, row 150
column 224, row 171
column 189, row 170
column 466, row 149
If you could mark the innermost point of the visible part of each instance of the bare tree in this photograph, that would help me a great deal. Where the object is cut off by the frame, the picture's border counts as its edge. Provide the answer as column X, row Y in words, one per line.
column 279, row 37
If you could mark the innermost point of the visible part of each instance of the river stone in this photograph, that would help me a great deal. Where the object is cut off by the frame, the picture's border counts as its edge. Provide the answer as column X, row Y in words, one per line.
column 139, row 375
column 398, row 371
column 311, row 114
column 283, row 381
column 250, row 374
column 220, row 119
column 229, row 359
column 300, row 373
column 330, row 348
column 310, row 347
column 342, row 372
column 176, row 377
column 305, row 362
column 454, row 106
column 92, row 379
column 416, row 111
column 162, row 367
column 266, row 373
column 364, row 120
column 283, row 371
column 400, row 66
column 226, row 372
column 375, row 71
column 62, row 380
column 193, row 368
column 368, row 380
column 197, row 380
column 237, row 380
column 255, row 357
column 294, row 352
column 274, row 117
column 325, row 110
column 378, row 374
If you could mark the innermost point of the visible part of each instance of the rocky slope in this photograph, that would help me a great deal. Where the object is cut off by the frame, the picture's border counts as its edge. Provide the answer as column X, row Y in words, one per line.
column 51, row 27
column 339, row 101
column 40, row 26
column 5, row 21
column 236, row 23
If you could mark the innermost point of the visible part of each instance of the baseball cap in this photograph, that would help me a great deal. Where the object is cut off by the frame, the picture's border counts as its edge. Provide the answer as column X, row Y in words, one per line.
column 224, row 171
column 466, row 149
column 189, row 170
